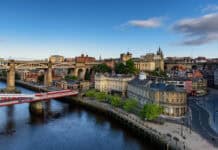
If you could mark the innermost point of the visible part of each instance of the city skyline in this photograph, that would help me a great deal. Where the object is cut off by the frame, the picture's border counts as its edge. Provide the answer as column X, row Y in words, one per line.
column 43, row 28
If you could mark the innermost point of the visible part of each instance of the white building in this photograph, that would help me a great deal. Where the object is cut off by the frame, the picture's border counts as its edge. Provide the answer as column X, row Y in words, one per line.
column 106, row 83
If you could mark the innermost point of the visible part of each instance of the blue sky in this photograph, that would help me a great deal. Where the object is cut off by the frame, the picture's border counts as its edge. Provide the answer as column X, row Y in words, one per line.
column 39, row 28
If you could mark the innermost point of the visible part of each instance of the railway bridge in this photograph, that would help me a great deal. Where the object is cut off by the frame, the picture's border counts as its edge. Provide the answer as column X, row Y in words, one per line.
column 76, row 69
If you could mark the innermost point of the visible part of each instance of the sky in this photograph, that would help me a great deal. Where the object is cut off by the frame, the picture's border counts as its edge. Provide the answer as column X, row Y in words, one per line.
column 40, row 28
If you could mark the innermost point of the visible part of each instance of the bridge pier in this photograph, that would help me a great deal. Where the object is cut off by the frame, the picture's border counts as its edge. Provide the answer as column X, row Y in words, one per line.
column 36, row 108
column 11, row 77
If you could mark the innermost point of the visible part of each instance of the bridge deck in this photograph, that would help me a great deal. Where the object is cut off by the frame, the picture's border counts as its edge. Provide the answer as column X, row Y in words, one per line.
column 19, row 99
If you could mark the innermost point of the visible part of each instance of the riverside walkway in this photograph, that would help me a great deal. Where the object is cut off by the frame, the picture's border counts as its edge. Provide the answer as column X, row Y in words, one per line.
column 170, row 133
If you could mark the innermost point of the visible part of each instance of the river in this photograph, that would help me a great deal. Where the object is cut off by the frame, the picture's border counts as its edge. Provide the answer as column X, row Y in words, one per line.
column 62, row 127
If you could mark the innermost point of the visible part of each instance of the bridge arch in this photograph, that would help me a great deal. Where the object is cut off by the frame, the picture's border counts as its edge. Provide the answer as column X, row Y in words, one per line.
column 28, row 66
column 80, row 73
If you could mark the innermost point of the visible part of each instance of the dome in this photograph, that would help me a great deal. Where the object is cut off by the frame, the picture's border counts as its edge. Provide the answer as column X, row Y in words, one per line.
column 142, row 76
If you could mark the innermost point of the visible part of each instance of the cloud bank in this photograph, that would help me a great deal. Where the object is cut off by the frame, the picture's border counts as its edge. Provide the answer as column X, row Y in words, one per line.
column 198, row 31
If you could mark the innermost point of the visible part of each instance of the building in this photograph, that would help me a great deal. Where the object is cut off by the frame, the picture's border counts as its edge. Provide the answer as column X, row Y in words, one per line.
column 200, row 60
column 56, row 59
column 125, row 57
column 2, row 61
column 150, row 61
column 216, row 78
column 108, row 83
column 110, row 63
column 172, row 98
column 183, row 63
column 84, row 59
column 199, row 86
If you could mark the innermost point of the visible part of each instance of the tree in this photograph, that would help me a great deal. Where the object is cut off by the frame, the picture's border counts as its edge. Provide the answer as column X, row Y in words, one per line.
column 120, row 68
column 91, row 93
column 70, row 77
column 127, row 68
column 101, row 96
column 87, row 75
column 151, row 111
column 40, row 78
column 4, row 73
column 116, row 101
column 17, row 76
column 130, row 67
column 102, row 68
column 158, row 73
column 130, row 105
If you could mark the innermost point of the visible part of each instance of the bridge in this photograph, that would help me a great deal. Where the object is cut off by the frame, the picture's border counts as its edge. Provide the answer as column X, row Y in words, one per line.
column 12, row 99
column 75, row 69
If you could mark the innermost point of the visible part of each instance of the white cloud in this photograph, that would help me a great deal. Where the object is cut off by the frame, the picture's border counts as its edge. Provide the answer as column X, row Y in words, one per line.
column 198, row 31
column 144, row 23
column 210, row 8
column 148, row 23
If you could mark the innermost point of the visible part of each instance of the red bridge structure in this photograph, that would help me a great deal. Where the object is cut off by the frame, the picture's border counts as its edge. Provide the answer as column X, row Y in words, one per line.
column 12, row 99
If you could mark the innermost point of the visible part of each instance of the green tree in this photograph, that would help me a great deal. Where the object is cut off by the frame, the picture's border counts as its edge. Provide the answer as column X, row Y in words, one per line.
column 70, row 77
column 101, row 96
column 158, row 73
column 130, row 67
column 116, row 101
column 17, row 76
column 130, row 105
column 102, row 68
column 127, row 68
column 87, row 75
column 40, row 78
column 4, row 73
column 90, row 93
column 151, row 111
column 120, row 68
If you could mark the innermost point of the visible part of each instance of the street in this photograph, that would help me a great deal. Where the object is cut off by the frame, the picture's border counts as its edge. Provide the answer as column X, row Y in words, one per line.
column 201, row 121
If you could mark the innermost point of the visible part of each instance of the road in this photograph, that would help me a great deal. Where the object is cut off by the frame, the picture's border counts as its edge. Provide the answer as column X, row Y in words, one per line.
column 200, row 121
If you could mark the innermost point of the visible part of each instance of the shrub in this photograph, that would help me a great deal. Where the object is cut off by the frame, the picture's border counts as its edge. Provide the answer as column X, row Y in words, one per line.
column 101, row 96
column 151, row 111
column 90, row 93
column 116, row 101
column 130, row 105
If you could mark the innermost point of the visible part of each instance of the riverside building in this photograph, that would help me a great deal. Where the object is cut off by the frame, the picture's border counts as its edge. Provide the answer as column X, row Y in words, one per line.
column 172, row 98
column 108, row 83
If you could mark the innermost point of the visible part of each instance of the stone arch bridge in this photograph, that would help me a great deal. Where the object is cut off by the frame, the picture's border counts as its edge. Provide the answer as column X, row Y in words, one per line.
column 76, row 69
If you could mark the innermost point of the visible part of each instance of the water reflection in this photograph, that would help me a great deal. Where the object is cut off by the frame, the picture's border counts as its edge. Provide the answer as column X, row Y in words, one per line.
column 10, row 124
column 62, row 126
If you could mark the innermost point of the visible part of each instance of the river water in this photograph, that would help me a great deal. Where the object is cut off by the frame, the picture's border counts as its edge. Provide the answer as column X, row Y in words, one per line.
column 63, row 127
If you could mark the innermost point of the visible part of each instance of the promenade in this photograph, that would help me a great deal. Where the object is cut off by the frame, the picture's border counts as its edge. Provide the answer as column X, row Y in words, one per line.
column 169, row 132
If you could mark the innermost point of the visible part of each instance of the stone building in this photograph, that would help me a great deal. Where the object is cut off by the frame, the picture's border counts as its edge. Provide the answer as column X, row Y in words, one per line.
column 172, row 98
column 125, row 57
column 150, row 61
column 108, row 83
column 199, row 86
column 84, row 59
column 56, row 59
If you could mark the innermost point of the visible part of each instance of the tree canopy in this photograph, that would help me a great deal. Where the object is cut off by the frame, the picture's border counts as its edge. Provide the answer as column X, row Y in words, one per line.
column 102, row 68
column 130, row 105
column 127, row 68
column 158, row 73
column 70, row 77
column 151, row 111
